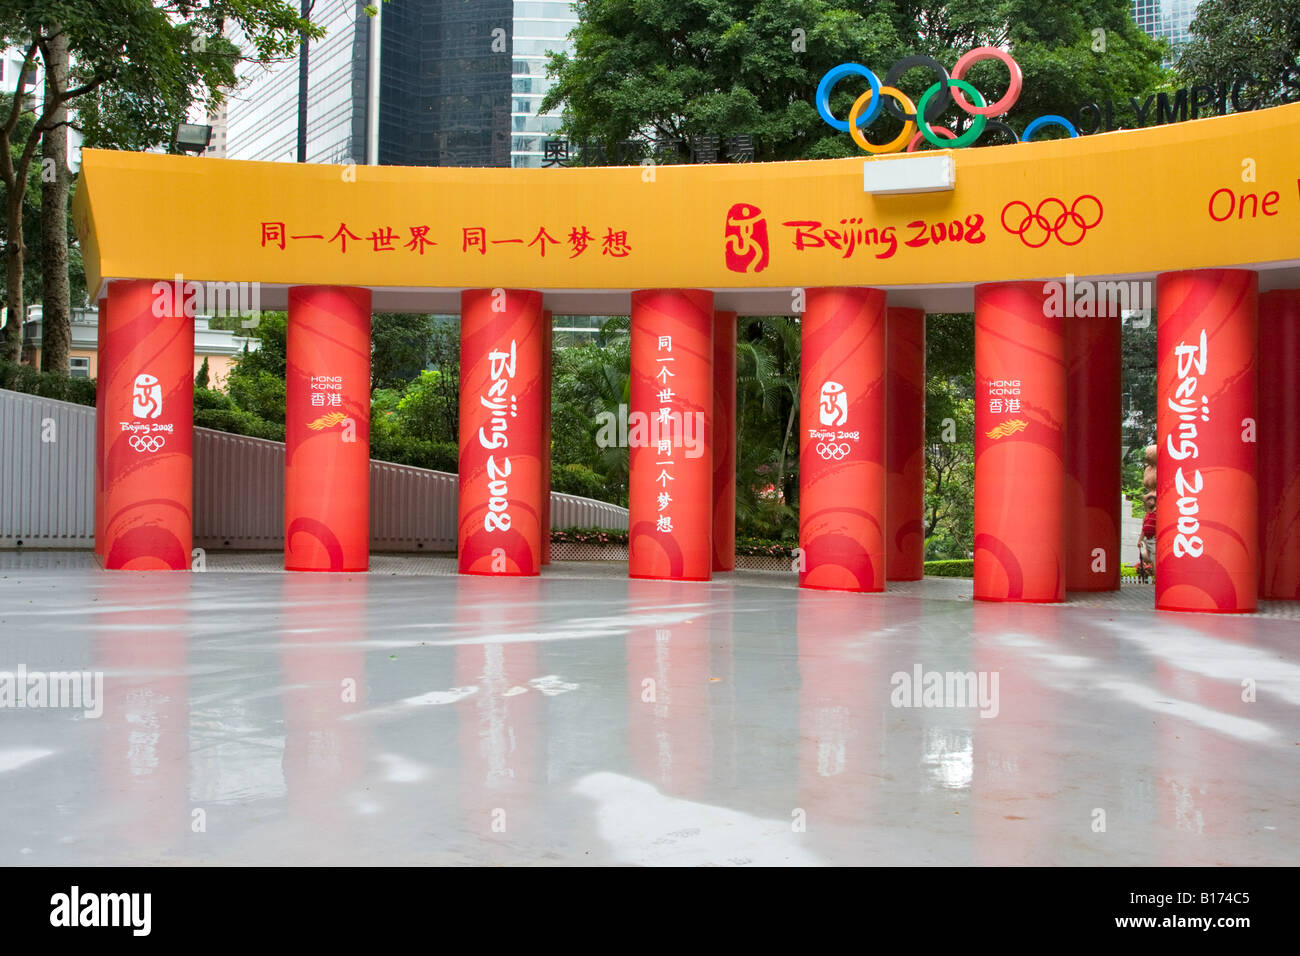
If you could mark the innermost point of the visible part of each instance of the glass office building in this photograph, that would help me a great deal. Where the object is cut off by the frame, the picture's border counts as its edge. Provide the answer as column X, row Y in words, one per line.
column 1166, row 18
column 460, row 85
column 262, row 113
column 539, row 26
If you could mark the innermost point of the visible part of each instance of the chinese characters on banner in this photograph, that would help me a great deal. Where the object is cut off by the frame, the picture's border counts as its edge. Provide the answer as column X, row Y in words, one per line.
column 701, row 149
column 613, row 244
column 326, row 391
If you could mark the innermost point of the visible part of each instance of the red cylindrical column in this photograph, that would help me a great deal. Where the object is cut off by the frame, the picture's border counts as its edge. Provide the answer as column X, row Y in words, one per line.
column 670, row 464
column 1019, row 463
column 327, row 430
column 101, row 419
column 1092, row 451
column 842, row 486
column 1279, row 436
column 905, row 446
column 1207, row 502
column 548, row 358
column 502, row 399
column 148, row 414
column 724, row 441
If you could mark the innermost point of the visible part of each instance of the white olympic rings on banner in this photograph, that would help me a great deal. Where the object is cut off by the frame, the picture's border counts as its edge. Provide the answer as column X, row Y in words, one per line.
column 146, row 442
column 836, row 452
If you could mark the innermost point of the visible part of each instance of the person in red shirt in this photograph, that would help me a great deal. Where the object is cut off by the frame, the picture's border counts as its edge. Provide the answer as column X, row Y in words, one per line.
column 1147, row 543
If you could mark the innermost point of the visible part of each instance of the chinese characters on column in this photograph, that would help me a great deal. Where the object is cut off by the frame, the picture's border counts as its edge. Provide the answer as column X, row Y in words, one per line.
column 663, row 427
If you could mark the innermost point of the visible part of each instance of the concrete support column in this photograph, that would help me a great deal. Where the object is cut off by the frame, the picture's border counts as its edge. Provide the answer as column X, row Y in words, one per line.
column 327, row 430
column 502, row 391
column 146, row 377
column 724, row 441
column 905, row 446
column 670, row 468
column 548, row 359
column 1019, row 445
column 1279, row 439
column 101, row 419
column 1092, row 452
column 1207, row 504
column 842, row 484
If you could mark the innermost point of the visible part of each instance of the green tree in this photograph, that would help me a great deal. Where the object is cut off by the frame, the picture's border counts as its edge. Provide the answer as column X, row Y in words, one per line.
column 949, row 471
column 256, row 380
column 201, row 377
column 399, row 346
column 647, row 70
column 139, row 63
column 1257, row 38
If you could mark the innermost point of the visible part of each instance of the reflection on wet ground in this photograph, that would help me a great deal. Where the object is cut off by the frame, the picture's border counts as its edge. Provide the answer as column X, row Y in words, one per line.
column 585, row 718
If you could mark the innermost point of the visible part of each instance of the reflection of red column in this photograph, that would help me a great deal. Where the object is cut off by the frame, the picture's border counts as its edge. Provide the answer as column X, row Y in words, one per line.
column 501, row 760
column 668, row 692
column 501, row 399
column 327, row 430
column 1019, row 469
column 842, row 445
column 842, row 701
column 548, row 358
column 148, row 417
column 324, row 673
column 1202, row 767
column 1207, row 518
column 1018, row 801
column 724, row 441
column 905, row 424
column 142, row 648
column 101, row 419
column 1092, row 447
column 670, row 486
column 1279, row 437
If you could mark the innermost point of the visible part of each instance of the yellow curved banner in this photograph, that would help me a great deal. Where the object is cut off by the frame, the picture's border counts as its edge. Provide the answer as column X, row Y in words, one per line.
column 1221, row 191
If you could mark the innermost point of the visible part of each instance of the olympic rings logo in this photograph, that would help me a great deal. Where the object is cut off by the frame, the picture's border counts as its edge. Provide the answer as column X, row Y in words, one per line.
column 146, row 442
column 1053, row 218
column 918, row 118
column 835, row 452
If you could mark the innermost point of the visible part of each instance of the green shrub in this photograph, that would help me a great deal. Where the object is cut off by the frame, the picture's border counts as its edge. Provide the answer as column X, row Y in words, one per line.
column 30, row 381
column 764, row 547
column 578, row 535
column 238, row 423
column 211, row 398
column 958, row 568
column 416, row 452
column 578, row 480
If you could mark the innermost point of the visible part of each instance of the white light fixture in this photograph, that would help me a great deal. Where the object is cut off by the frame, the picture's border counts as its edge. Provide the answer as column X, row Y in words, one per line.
column 909, row 174
column 193, row 137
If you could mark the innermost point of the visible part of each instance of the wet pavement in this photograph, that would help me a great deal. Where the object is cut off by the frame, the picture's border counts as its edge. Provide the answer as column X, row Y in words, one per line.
column 410, row 716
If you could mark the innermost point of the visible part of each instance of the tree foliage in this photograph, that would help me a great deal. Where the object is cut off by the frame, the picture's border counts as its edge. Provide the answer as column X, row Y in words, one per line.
column 1231, row 38
column 670, row 69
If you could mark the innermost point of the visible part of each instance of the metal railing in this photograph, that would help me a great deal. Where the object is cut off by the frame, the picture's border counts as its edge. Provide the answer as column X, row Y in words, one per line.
column 47, row 450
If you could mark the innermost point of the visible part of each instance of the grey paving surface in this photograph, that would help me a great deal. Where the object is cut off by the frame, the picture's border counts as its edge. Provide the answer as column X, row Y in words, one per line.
column 412, row 716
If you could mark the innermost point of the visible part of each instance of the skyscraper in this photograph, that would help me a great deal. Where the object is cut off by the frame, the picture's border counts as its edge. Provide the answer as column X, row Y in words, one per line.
column 1166, row 18
column 460, row 83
